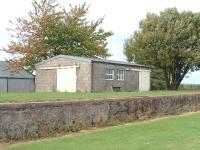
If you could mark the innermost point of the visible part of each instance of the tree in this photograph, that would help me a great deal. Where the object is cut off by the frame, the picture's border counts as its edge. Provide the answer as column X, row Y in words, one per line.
column 50, row 31
column 169, row 41
column 157, row 79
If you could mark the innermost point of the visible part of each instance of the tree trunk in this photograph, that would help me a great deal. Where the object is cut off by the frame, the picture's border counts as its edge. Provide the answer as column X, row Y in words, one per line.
column 174, row 81
column 174, row 77
column 173, row 86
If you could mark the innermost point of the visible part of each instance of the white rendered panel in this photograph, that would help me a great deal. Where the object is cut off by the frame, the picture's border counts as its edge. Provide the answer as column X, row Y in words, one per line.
column 144, row 80
column 66, row 80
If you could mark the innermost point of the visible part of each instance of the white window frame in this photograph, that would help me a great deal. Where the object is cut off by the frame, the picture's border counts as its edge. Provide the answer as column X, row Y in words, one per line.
column 120, row 74
column 109, row 74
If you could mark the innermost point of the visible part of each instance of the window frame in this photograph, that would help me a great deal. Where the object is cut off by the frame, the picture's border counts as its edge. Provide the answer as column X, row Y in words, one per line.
column 120, row 75
column 109, row 74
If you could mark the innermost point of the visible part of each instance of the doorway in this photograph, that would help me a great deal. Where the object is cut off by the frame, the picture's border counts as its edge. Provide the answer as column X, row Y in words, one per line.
column 66, row 80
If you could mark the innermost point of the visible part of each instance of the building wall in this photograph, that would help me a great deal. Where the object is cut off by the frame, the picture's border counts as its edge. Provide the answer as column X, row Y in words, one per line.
column 21, row 85
column 46, row 80
column 3, row 84
column 17, row 85
column 99, row 84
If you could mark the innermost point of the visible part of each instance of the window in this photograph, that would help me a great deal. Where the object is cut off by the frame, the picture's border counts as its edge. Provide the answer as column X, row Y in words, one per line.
column 120, row 74
column 109, row 74
column 116, row 89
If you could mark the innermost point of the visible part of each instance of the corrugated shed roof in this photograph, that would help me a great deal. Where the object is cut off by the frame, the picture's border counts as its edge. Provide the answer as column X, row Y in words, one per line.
column 5, row 72
column 90, row 59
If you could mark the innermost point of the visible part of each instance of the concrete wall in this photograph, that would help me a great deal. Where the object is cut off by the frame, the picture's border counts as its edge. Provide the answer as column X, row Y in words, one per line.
column 99, row 84
column 35, row 120
column 17, row 85
column 46, row 80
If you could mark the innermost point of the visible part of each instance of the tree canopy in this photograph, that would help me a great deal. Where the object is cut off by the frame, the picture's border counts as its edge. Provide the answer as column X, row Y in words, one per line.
column 49, row 31
column 169, row 41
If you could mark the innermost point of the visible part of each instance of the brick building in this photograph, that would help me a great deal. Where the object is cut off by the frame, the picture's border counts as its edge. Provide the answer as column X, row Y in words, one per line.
column 81, row 74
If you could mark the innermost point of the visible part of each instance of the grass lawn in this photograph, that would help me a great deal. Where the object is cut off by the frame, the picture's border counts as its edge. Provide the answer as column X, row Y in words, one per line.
column 175, row 133
column 23, row 97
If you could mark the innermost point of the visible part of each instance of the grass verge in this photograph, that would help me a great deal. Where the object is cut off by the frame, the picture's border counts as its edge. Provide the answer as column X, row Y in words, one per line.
column 27, row 97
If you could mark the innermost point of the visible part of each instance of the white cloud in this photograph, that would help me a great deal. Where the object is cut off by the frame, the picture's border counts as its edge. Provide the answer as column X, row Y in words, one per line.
column 10, row 9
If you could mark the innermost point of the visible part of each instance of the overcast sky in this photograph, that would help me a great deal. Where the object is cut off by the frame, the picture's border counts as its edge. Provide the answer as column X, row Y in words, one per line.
column 121, row 17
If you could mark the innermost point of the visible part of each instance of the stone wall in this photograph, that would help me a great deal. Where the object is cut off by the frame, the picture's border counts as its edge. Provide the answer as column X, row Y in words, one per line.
column 130, row 82
column 34, row 120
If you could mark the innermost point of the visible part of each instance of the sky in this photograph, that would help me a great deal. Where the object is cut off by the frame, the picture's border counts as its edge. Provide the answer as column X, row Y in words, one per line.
column 121, row 17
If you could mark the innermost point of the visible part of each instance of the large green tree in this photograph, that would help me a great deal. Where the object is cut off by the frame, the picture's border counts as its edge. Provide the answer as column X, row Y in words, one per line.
column 169, row 41
column 49, row 31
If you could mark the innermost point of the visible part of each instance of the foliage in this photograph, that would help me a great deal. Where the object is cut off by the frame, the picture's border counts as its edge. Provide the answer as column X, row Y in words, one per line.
column 27, row 132
column 169, row 41
column 50, row 31
column 157, row 79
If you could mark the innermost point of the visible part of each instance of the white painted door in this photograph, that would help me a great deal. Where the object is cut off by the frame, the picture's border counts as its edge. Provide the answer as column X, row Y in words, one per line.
column 144, row 80
column 66, row 80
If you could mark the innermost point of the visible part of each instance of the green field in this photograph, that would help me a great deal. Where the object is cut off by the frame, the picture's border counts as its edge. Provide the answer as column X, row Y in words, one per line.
column 175, row 133
column 23, row 97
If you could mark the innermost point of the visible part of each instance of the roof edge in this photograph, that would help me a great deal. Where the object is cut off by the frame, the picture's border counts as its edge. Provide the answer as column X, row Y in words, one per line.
column 6, row 71
column 88, row 59
column 124, row 64
column 78, row 58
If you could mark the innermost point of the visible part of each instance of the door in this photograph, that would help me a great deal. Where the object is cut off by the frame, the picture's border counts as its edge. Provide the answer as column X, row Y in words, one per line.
column 66, row 80
column 144, row 80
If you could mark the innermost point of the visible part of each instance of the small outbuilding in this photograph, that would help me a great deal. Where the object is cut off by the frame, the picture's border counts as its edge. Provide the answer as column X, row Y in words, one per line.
column 65, row 73
column 11, row 81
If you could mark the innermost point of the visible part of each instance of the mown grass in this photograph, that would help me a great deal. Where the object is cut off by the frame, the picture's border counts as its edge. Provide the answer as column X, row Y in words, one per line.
column 176, row 133
column 24, row 97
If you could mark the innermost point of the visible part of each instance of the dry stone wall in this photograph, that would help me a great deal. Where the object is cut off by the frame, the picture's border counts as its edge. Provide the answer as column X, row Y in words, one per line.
column 34, row 120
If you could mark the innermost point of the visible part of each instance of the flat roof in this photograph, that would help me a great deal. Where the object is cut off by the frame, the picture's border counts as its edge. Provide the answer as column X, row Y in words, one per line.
column 91, row 59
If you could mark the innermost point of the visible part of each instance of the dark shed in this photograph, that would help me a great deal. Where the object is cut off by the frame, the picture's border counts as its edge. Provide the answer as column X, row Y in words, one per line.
column 10, row 81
